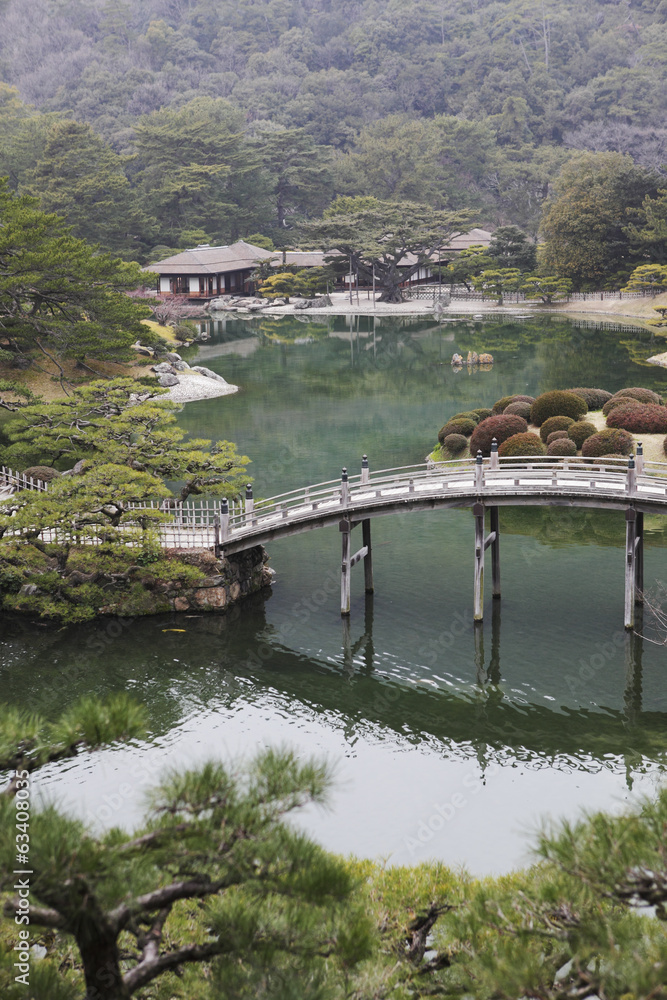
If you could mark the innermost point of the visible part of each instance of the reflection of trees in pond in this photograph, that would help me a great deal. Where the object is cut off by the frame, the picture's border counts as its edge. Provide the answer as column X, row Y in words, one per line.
column 559, row 527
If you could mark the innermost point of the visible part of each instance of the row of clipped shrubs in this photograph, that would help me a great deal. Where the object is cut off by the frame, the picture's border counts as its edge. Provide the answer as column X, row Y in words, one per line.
column 559, row 415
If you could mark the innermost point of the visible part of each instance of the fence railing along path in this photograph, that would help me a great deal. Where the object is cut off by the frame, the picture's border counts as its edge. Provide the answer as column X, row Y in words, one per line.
column 632, row 485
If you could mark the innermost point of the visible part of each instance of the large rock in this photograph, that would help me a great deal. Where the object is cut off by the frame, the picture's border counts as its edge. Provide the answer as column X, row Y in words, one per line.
column 209, row 374
column 173, row 356
column 164, row 368
column 166, row 381
column 181, row 366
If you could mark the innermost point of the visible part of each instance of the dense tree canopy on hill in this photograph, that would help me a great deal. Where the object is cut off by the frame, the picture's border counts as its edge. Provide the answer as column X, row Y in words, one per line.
column 468, row 104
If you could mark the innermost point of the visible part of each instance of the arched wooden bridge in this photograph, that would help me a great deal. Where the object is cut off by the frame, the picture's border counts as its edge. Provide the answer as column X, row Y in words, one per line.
column 631, row 485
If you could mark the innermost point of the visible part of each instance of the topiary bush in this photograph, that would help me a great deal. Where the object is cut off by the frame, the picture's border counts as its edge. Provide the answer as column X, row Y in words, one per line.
column 615, row 401
column 642, row 419
column 561, row 446
column 500, row 427
column 521, row 408
column 593, row 398
column 522, row 444
column 43, row 472
column 455, row 443
column 500, row 404
column 483, row 412
column 554, row 424
column 462, row 425
column 581, row 430
column 640, row 394
column 555, row 435
column 608, row 442
column 468, row 415
column 557, row 404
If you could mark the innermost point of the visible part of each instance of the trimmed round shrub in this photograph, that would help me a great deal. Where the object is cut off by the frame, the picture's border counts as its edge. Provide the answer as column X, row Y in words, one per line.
column 611, row 441
column 462, row 425
column 642, row 419
column 557, row 404
column 593, row 398
column 43, row 472
column 500, row 427
column 500, row 405
column 483, row 412
column 640, row 394
column 555, row 435
column 468, row 415
column 581, row 430
column 522, row 444
column 561, row 446
column 455, row 443
column 615, row 401
column 521, row 409
column 554, row 424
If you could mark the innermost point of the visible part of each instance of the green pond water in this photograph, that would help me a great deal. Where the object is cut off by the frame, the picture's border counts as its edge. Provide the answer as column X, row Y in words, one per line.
column 449, row 741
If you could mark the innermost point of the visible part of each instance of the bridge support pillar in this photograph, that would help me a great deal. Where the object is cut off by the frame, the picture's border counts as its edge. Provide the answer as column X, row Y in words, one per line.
column 639, row 560
column 478, row 603
column 495, row 552
column 368, row 558
column 630, row 566
column 345, row 568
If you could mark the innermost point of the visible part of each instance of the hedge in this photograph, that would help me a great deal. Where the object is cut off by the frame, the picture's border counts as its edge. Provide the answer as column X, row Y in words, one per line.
column 499, row 427
column 608, row 442
column 555, row 435
column 462, row 425
column 554, row 424
column 455, row 443
column 468, row 415
column 483, row 412
column 522, row 444
column 642, row 419
column 557, row 404
column 640, row 394
column 593, row 398
column 562, row 446
column 43, row 472
column 520, row 408
column 500, row 404
column 619, row 401
column 580, row 431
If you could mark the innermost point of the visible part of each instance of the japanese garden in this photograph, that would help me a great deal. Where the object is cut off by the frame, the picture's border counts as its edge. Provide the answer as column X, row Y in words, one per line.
column 307, row 309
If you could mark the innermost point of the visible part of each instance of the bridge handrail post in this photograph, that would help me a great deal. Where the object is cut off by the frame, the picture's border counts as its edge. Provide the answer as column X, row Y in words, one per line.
column 479, row 472
column 249, row 502
column 639, row 459
column 631, row 487
column 344, row 488
column 224, row 519
column 494, row 461
column 365, row 470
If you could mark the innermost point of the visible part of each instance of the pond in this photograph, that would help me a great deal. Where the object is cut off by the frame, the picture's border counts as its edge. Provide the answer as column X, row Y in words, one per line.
column 448, row 741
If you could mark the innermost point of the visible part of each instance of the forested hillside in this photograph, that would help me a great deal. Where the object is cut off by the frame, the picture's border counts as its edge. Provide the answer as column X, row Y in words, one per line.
column 221, row 118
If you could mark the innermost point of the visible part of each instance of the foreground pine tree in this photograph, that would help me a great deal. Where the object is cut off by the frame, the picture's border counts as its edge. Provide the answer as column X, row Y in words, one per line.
column 261, row 898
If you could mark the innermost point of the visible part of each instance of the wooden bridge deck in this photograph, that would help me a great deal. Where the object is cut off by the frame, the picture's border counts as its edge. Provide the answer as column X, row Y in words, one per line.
column 630, row 485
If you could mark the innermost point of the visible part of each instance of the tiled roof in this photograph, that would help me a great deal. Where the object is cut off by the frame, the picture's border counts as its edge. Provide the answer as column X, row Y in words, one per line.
column 212, row 260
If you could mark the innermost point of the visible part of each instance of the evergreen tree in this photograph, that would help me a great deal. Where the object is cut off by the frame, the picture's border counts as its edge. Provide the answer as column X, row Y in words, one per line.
column 263, row 900
column 81, row 179
column 59, row 295
column 393, row 239
column 299, row 173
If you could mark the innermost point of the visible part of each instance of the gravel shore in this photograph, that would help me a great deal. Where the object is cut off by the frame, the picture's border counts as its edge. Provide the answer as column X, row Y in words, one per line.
column 194, row 386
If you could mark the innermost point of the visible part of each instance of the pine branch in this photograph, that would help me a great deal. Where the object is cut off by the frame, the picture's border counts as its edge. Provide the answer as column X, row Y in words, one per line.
column 42, row 915
column 150, row 968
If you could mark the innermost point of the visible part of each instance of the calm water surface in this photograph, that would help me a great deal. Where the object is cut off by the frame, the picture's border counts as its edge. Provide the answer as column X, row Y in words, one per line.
column 449, row 741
